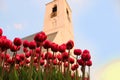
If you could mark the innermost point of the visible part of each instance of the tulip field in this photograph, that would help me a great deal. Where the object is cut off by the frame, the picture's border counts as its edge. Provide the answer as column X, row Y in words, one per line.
column 41, row 59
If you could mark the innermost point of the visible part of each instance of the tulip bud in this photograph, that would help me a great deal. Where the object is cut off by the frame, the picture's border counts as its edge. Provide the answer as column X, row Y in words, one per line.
column 70, row 44
column 17, row 41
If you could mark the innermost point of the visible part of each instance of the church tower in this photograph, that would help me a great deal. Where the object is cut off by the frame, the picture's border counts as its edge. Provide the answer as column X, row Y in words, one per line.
column 58, row 21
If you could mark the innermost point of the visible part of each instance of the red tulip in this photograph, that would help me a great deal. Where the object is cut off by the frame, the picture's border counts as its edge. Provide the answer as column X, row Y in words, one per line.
column 62, row 48
column 18, row 59
column 55, row 62
column 17, row 41
column 70, row 44
column 37, row 50
column 28, row 54
column 13, row 48
column 86, row 55
column 71, row 60
column 5, row 43
column 10, row 61
column 42, row 62
column 35, row 60
column 77, row 52
column 81, row 62
column 73, row 68
column 40, row 37
column 59, row 56
column 22, row 56
column 27, row 61
column 65, row 55
column 65, row 64
column 76, row 66
column 89, row 63
column 25, row 43
column 32, row 45
column 1, row 32
column 47, row 44
column 54, row 47
column 7, row 56
column 25, row 50
column 48, row 55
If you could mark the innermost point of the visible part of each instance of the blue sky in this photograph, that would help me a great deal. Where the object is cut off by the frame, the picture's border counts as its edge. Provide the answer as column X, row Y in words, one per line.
column 96, row 25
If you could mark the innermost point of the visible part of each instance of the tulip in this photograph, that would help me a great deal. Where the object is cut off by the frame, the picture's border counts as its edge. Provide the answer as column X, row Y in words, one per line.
column 77, row 52
column 62, row 48
column 42, row 62
column 86, row 55
column 54, row 47
column 69, row 44
column 32, row 45
column 65, row 56
column 17, row 41
column 71, row 60
column 47, row 44
column 1, row 32
column 81, row 62
column 89, row 63
column 40, row 37
column 25, row 43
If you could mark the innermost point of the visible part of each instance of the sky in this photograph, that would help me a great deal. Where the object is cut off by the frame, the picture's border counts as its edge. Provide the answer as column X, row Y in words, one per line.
column 96, row 26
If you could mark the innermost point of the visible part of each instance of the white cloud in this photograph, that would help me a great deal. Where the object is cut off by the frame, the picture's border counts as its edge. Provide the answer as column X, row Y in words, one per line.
column 18, row 26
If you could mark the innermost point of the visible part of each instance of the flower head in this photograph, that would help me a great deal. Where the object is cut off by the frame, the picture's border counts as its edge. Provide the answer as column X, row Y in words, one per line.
column 70, row 44
column 17, row 41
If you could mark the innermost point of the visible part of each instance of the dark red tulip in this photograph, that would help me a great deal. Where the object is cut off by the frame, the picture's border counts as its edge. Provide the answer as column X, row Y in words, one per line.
column 73, row 68
column 54, row 62
column 27, row 61
column 47, row 44
column 28, row 54
column 65, row 55
column 76, row 66
column 86, row 55
column 59, row 56
column 18, row 59
column 54, row 47
column 42, row 62
column 25, row 50
column 17, row 41
column 7, row 56
column 40, row 37
column 22, row 56
column 35, row 60
column 1, row 32
column 69, row 44
column 5, row 43
column 48, row 55
column 81, row 62
column 89, row 63
column 37, row 50
column 62, row 48
column 10, row 61
column 32, row 45
column 13, row 48
column 25, row 43
column 65, row 64
column 77, row 52
column 71, row 60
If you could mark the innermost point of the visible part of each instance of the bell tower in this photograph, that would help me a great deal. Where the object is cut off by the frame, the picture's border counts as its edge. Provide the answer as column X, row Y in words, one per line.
column 58, row 21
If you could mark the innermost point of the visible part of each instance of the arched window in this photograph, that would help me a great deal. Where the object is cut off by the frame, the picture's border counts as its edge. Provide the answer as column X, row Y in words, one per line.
column 68, row 14
column 54, row 11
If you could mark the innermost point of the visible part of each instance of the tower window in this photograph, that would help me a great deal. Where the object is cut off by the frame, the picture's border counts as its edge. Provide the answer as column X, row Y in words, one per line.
column 54, row 11
column 68, row 14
